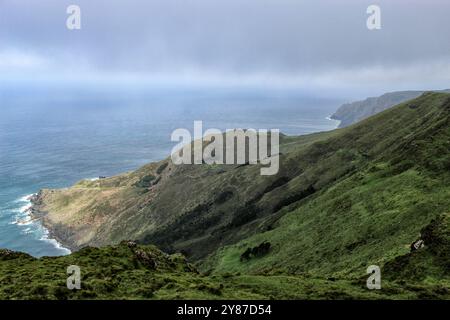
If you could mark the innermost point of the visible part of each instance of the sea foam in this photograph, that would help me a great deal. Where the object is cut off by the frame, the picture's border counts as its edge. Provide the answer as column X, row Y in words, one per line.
column 25, row 221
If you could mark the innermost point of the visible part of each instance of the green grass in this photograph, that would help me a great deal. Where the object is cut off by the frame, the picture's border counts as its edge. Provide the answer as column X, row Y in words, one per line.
column 117, row 273
column 346, row 228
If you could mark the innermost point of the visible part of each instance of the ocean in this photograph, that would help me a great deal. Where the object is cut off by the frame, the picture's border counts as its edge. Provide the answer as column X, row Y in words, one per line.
column 52, row 137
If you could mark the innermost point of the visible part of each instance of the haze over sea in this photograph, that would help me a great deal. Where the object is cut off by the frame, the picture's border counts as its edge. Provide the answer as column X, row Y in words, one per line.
column 54, row 137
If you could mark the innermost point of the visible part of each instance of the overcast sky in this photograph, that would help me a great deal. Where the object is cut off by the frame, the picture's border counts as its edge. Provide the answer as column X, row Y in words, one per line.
column 307, row 44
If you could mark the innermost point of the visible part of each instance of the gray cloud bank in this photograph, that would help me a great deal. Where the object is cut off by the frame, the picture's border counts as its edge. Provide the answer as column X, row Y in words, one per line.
column 286, row 43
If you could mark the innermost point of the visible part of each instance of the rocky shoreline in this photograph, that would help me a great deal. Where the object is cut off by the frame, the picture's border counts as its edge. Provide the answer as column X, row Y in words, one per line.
column 56, row 232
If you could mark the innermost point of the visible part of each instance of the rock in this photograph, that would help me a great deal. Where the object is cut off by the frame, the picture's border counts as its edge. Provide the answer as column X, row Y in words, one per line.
column 131, row 244
column 418, row 244
column 145, row 259
column 258, row 251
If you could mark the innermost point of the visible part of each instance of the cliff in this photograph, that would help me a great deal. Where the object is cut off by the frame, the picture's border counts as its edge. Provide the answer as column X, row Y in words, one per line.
column 353, row 112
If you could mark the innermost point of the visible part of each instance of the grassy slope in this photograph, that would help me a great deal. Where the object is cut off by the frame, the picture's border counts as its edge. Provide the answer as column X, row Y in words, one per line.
column 343, row 200
column 370, row 216
column 118, row 272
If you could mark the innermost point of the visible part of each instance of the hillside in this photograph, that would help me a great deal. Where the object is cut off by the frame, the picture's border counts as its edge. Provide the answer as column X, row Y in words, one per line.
column 343, row 200
column 353, row 112
column 191, row 208
column 130, row 271
column 401, row 181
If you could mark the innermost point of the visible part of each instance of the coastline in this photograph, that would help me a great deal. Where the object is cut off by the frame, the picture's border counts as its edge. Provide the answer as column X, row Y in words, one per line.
column 35, row 215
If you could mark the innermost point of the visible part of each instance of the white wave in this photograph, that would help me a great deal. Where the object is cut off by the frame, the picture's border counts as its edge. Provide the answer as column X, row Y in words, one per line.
column 25, row 198
column 338, row 122
column 27, row 230
column 25, row 208
column 24, row 222
column 23, row 219
column 22, row 216
column 45, row 237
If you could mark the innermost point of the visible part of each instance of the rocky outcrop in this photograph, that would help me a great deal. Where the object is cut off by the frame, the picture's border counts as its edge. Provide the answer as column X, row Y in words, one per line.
column 416, row 245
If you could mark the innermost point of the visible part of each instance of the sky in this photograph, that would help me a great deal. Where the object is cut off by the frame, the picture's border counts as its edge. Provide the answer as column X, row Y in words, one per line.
column 310, row 45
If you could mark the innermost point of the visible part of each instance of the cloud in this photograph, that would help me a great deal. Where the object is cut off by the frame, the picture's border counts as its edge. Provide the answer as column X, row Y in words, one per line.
column 265, row 42
column 14, row 59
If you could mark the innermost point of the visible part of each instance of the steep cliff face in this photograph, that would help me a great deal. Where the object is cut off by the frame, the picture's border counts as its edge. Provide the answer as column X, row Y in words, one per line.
column 353, row 112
